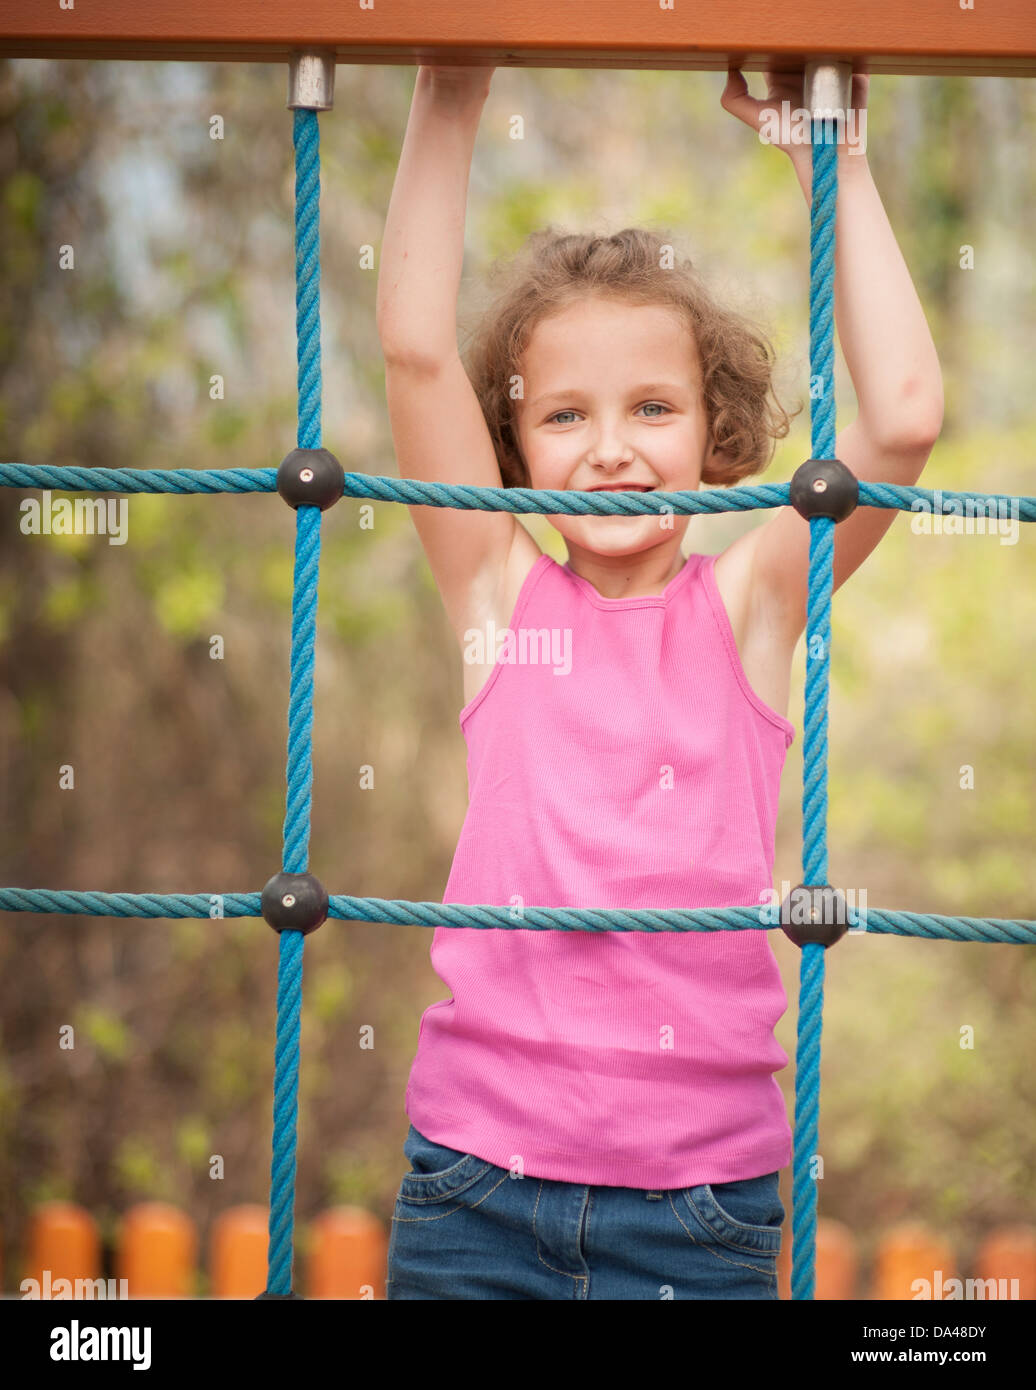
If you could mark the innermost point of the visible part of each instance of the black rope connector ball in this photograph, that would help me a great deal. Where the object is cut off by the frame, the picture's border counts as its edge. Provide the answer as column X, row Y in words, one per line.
column 311, row 478
column 293, row 1294
column 295, row 902
column 814, row 914
column 824, row 487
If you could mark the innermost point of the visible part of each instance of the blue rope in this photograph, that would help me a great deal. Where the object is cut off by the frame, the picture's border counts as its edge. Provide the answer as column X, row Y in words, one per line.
column 545, row 501
column 295, row 859
column 285, row 1113
column 482, row 916
column 814, row 756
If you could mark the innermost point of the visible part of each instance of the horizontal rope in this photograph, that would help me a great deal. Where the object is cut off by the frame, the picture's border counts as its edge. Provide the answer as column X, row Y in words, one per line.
column 878, row 921
column 183, row 480
column 543, row 501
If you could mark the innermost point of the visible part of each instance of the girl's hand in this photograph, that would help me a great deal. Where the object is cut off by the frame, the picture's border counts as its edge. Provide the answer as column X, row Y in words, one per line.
column 781, row 87
column 459, row 81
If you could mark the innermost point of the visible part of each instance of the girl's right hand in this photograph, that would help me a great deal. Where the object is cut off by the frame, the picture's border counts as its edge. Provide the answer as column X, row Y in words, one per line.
column 454, row 81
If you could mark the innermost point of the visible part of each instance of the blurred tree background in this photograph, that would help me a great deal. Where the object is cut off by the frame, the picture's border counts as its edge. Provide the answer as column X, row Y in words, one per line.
column 184, row 269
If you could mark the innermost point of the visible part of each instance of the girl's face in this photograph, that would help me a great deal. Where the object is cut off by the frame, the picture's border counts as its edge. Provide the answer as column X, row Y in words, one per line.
column 613, row 397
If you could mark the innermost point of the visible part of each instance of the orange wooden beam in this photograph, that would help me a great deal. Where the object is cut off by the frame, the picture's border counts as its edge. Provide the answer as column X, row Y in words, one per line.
column 926, row 37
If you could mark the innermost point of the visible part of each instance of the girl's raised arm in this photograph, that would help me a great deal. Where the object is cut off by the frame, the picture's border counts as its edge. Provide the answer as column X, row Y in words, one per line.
column 438, row 428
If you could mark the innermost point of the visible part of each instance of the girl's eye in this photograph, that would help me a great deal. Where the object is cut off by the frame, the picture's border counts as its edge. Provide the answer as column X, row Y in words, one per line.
column 650, row 405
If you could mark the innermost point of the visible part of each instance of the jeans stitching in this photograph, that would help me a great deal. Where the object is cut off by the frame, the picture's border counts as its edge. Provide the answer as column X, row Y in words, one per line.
column 729, row 1220
column 732, row 1221
column 462, row 1206
column 543, row 1262
column 466, row 1179
column 742, row 1264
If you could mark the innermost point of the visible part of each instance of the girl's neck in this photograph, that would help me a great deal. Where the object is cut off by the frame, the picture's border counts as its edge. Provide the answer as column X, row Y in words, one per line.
column 644, row 574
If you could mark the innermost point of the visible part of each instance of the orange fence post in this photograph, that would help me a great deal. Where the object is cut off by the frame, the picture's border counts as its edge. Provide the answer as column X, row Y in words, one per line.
column 913, row 1262
column 348, row 1255
column 1009, row 1254
column 156, row 1251
column 836, row 1261
column 238, row 1250
column 62, row 1243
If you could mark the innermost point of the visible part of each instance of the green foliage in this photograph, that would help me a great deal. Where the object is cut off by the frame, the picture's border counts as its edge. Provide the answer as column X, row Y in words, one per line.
column 226, row 426
column 47, row 1187
column 23, row 197
column 193, row 1141
column 69, row 400
column 369, row 619
column 331, row 992
column 8, row 1102
column 275, row 576
column 351, row 1181
column 185, row 602
column 69, row 598
column 190, row 939
column 104, row 1031
column 507, row 222
column 150, row 517
column 138, row 1169
column 230, row 1068
column 9, row 599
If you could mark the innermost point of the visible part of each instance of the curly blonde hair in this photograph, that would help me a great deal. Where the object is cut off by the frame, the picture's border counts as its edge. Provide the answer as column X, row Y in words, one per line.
column 555, row 268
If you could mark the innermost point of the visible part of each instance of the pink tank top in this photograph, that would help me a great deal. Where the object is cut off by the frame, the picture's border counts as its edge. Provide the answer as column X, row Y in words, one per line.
column 617, row 757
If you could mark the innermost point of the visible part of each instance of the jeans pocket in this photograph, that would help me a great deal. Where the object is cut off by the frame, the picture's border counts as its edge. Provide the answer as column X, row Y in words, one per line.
column 745, row 1215
column 437, row 1172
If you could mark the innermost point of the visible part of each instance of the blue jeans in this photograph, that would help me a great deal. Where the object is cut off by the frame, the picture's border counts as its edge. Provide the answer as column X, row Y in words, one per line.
column 463, row 1228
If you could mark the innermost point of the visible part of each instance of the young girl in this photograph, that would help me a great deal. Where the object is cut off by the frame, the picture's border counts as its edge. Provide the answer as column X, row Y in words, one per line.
column 597, row 1115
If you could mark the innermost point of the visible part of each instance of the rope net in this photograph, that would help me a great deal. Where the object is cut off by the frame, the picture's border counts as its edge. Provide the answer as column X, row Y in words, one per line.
column 294, row 901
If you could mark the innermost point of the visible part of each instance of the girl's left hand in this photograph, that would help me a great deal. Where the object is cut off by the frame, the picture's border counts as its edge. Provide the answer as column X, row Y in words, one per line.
column 780, row 87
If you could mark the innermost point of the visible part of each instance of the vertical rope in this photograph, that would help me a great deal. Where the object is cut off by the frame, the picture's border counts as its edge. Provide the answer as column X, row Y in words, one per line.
column 306, row 136
column 295, row 859
column 814, row 770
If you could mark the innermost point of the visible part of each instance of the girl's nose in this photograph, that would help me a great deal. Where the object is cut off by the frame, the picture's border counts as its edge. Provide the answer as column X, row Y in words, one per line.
column 610, row 449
